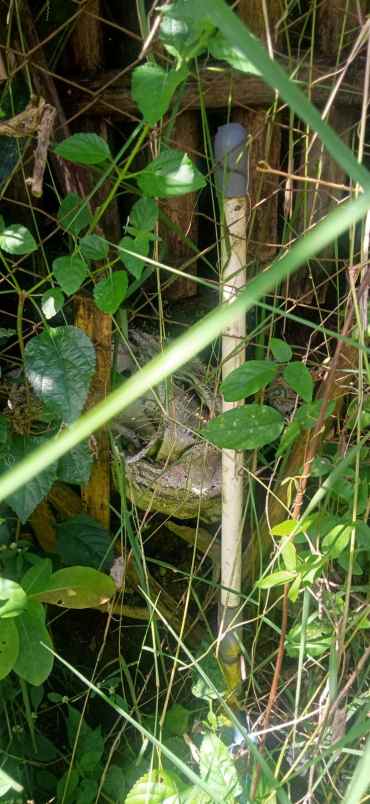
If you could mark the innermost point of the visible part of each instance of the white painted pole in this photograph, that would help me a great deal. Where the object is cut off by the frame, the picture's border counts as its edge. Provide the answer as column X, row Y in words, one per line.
column 232, row 178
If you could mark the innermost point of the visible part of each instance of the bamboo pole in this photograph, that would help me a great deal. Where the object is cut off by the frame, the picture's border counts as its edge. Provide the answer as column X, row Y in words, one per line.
column 232, row 179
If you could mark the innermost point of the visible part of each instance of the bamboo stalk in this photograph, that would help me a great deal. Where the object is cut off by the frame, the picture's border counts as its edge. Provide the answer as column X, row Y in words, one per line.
column 232, row 178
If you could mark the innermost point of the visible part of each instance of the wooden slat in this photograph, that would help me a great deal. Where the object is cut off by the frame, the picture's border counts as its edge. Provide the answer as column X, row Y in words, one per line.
column 264, row 144
column 218, row 87
column 87, row 54
column 182, row 212
column 98, row 326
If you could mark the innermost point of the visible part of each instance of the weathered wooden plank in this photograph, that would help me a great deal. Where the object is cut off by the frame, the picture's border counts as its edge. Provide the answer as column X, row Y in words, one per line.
column 182, row 212
column 264, row 145
column 220, row 87
column 98, row 326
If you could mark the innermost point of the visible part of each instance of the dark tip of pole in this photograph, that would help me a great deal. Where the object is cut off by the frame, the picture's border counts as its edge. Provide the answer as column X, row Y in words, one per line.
column 231, row 160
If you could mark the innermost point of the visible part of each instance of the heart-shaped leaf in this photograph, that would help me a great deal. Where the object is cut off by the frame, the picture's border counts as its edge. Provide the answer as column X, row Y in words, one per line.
column 140, row 248
column 77, row 588
column 30, row 494
column 248, row 379
column 111, row 292
column 34, row 662
column 84, row 149
column 93, row 247
column 82, row 540
column 152, row 89
column 17, row 240
column 172, row 173
column 9, row 646
column 59, row 364
column 70, row 272
column 75, row 465
column 247, row 427
column 144, row 214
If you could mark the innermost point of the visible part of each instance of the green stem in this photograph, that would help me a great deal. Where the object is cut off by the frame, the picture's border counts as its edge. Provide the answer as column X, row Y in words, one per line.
column 28, row 713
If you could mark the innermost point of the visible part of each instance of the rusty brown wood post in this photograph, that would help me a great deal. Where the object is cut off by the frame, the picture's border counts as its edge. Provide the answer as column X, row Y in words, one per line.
column 87, row 55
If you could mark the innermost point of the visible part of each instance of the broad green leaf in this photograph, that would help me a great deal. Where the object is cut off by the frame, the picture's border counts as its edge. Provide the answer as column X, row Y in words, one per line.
column 336, row 540
column 17, row 240
column 298, row 377
column 276, row 579
column 16, row 599
column 70, row 272
column 217, row 767
column 77, row 588
column 34, row 662
column 75, row 466
column 285, row 528
column 9, row 646
column 111, row 292
column 144, row 214
column 59, row 365
column 172, row 173
column 289, row 555
column 73, row 214
column 152, row 88
column 156, row 787
column 248, row 379
column 93, row 247
column 84, row 149
column 52, row 302
column 220, row 48
column 37, row 577
column 247, row 427
column 281, row 350
column 82, row 540
column 139, row 245
column 28, row 496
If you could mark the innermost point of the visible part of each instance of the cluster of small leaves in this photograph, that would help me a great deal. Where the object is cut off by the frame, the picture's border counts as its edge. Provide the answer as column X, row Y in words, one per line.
column 81, row 783
column 253, row 426
column 171, row 173
column 23, row 630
